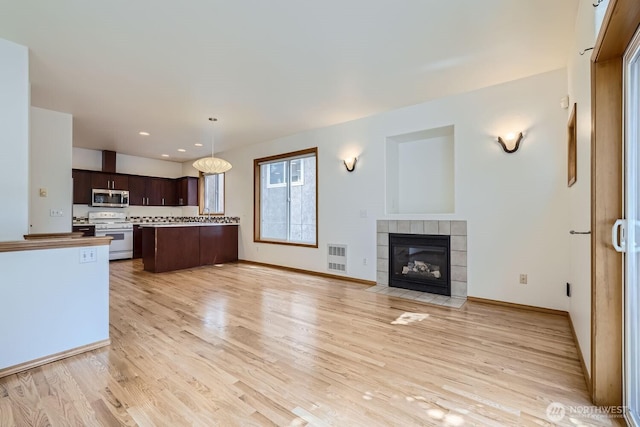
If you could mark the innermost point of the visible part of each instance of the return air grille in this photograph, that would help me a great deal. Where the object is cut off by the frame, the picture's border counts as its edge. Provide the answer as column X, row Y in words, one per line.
column 337, row 258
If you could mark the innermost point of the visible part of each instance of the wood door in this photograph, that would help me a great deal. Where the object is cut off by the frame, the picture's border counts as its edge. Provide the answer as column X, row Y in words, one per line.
column 81, row 187
column 619, row 25
column 138, row 190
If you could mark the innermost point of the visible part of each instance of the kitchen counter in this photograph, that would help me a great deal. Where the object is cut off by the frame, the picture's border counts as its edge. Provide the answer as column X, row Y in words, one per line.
column 182, row 224
column 176, row 246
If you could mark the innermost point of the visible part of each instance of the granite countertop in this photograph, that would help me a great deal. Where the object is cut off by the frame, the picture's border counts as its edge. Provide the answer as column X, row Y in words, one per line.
column 182, row 224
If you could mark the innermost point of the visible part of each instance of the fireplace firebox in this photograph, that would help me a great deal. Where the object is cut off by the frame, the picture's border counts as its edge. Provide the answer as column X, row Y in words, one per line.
column 420, row 262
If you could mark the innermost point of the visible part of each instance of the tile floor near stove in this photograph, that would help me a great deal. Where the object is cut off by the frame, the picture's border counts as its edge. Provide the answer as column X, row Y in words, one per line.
column 443, row 300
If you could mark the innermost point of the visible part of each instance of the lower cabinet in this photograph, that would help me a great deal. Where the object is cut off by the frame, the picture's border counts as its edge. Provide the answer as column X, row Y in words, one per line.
column 168, row 248
column 86, row 230
column 218, row 244
column 137, row 241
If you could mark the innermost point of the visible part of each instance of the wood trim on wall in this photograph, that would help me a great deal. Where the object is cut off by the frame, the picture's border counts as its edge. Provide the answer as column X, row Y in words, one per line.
column 606, row 207
column 52, row 358
column 620, row 23
column 518, row 306
column 583, row 365
column 312, row 273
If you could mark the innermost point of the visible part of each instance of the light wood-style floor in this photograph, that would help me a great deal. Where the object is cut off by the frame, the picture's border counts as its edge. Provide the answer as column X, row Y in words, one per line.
column 245, row 345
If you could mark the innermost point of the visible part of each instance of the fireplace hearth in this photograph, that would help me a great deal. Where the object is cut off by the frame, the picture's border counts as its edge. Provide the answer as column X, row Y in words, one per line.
column 420, row 262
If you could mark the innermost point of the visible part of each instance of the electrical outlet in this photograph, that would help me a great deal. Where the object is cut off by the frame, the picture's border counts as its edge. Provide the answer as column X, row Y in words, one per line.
column 88, row 255
column 364, row 261
column 523, row 279
column 55, row 212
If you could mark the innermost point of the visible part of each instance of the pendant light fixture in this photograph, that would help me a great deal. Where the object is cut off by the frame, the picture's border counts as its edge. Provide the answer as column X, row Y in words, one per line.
column 212, row 165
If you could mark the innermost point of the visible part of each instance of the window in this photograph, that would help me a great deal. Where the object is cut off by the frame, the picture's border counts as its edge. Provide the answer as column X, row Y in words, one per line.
column 211, row 189
column 286, row 195
column 277, row 173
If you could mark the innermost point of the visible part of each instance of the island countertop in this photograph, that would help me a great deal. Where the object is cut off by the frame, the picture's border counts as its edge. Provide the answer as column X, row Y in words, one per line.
column 183, row 224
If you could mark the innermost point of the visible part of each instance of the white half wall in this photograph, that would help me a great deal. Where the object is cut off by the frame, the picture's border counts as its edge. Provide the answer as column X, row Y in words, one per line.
column 14, row 140
column 50, row 171
column 58, row 306
column 579, row 195
column 515, row 204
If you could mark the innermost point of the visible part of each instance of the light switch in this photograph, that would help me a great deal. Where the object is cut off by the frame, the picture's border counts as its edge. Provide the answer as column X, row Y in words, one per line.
column 43, row 192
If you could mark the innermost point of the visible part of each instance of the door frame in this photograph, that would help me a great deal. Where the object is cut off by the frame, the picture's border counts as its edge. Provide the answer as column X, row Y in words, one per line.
column 620, row 23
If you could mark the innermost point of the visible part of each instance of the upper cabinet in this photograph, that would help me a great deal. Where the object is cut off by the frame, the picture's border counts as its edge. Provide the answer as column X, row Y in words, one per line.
column 162, row 192
column 143, row 190
column 109, row 181
column 138, row 190
column 81, row 187
column 150, row 191
column 187, row 191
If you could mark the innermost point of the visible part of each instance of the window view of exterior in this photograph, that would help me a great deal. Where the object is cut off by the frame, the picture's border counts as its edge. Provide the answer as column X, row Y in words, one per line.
column 287, row 198
column 212, row 200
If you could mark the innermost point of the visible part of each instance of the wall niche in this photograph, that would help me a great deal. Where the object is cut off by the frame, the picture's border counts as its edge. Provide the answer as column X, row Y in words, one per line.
column 420, row 172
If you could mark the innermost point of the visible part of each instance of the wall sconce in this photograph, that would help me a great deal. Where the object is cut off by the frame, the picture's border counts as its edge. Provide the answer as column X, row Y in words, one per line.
column 512, row 140
column 350, row 164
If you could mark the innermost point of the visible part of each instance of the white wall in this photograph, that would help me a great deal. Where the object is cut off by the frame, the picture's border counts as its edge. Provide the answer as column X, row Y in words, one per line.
column 579, row 195
column 56, row 303
column 426, row 176
column 50, row 169
column 515, row 204
column 14, row 140
column 84, row 158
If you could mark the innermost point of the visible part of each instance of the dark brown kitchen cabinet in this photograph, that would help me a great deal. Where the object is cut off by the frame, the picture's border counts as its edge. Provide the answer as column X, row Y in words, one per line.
column 137, row 241
column 150, row 191
column 138, row 190
column 162, row 192
column 81, row 187
column 187, row 191
column 168, row 196
column 109, row 181
column 87, row 230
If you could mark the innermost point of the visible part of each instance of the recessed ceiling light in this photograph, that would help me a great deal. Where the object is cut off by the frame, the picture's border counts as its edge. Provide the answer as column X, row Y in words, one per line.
column 198, row 145
column 165, row 155
column 143, row 133
column 182, row 150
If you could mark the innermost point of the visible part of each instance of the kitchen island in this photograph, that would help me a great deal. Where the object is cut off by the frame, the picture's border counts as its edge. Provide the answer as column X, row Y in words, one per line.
column 176, row 246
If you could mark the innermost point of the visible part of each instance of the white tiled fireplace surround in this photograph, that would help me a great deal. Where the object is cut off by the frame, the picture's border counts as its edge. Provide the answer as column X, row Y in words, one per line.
column 458, row 232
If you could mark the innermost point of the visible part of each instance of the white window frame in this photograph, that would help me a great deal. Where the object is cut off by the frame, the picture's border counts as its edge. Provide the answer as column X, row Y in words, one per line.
column 287, row 174
column 203, row 201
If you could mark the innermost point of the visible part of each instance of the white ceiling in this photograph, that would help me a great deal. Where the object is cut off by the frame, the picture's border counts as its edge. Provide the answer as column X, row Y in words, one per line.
column 267, row 69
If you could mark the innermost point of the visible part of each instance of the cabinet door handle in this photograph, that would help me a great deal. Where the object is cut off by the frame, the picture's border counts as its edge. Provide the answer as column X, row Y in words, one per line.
column 163, row 201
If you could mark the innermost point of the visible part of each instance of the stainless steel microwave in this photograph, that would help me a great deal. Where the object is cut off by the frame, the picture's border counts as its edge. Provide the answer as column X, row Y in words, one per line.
column 110, row 198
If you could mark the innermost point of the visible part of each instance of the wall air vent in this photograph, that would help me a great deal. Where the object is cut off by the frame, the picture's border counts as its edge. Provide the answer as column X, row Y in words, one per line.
column 337, row 258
